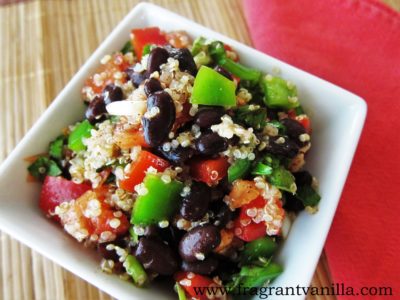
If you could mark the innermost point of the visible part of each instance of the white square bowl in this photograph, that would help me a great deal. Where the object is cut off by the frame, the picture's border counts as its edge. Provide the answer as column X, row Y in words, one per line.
column 337, row 116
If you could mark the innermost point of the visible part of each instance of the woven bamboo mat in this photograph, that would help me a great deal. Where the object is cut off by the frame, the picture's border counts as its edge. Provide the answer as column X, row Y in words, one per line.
column 43, row 43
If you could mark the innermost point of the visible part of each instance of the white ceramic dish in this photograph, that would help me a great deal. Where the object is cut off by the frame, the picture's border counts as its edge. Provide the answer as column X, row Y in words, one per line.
column 337, row 115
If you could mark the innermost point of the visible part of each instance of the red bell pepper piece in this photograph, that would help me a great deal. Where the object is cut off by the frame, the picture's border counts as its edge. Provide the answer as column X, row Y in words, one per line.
column 244, row 226
column 145, row 36
column 196, row 285
column 56, row 190
column 139, row 168
column 209, row 171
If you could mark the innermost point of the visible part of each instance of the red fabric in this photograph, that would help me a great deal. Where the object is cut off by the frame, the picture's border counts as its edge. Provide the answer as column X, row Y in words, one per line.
column 355, row 44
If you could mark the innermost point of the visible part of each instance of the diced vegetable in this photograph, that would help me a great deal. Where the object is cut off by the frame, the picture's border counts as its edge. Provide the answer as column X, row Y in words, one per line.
column 128, row 47
column 283, row 179
column 91, row 213
column 245, row 227
column 145, row 36
column 56, row 190
column 135, row 270
column 212, row 88
column 128, row 138
column 263, row 247
column 217, row 52
column 256, row 118
column 308, row 195
column 197, row 282
column 43, row 167
column 116, row 64
column 56, row 148
column 147, row 49
column 279, row 93
column 239, row 169
column 262, row 169
column 138, row 169
column 199, row 44
column 158, row 202
column 242, row 192
column 180, row 291
column 209, row 171
column 80, row 132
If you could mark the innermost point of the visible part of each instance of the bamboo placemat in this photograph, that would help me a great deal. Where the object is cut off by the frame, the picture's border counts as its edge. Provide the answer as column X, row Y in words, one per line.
column 43, row 43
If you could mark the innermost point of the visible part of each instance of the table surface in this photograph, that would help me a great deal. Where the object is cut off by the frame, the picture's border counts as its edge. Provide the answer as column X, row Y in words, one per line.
column 43, row 45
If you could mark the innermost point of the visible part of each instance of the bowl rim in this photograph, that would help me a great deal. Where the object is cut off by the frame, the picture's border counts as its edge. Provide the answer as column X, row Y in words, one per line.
column 143, row 8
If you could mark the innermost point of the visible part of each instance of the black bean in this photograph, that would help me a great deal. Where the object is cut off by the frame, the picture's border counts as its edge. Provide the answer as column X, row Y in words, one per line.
column 292, row 203
column 185, row 58
column 284, row 146
column 157, row 57
column 111, row 254
column 112, row 93
column 222, row 214
column 195, row 205
column 223, row 72
column 135, row 77
column 178, row 155
column 303, row 178
column 211, row 143
column 294, row 129
column 151, row 86
column 156, row 256
column 160, row 119
column 207, row 117
column 96, row 110
column 205, row 267
column 199, row 242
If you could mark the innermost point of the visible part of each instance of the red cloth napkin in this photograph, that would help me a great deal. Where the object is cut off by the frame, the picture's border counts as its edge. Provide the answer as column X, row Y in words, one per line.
column 354, row 44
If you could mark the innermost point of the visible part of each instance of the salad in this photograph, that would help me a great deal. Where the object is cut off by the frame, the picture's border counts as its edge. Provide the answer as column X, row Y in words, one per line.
column 187, row 165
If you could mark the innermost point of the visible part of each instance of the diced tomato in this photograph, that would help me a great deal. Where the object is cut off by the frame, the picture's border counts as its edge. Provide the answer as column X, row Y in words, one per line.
column 209, row 171
column 244, row 226
column 305, row 121
column 129, row 138
column 104, row 75
column 145, row 36
column 138, row 169
column 56, row 190
column 243, row 192
column 190, row 283
column 100, row 217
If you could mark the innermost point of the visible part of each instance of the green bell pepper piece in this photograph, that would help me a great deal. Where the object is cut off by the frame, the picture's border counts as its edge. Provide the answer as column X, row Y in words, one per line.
column 278, row 94
column 212, row 88
column 180, row 291
column 308, row 195
column 238, row 169
column 135, row 270
column 81, row 131
column 283, row 179
column 263, row 247
column 160, row 202
column 262, row 169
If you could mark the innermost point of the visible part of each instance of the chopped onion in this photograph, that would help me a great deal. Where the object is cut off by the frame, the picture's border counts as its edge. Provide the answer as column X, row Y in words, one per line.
column 127, row 108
